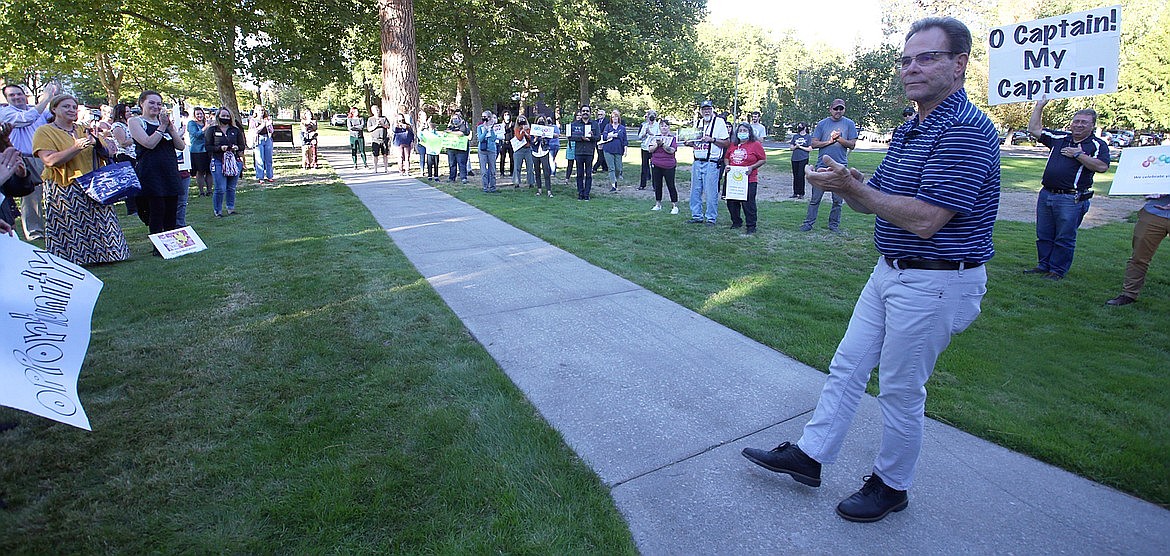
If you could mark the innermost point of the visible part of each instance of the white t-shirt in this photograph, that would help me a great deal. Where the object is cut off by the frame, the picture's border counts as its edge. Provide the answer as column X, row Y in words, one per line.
column 717, row 129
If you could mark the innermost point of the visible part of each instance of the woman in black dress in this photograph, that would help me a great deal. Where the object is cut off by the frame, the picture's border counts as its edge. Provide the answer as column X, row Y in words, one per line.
column 157, row 138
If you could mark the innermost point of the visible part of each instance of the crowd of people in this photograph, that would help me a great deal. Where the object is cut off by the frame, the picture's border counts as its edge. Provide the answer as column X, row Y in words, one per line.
column 56, row 141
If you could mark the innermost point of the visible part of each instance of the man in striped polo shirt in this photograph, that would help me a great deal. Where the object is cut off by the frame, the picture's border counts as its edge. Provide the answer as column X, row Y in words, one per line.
column 935, row 197
column 1067, row 187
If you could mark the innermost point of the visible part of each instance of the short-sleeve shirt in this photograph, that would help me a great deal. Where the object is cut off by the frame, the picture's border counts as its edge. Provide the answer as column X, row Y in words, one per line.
column 717, row 129
column 1063, row 172
column 25, row 122
column 950, row 160
column 746, row 154
column 49, row 138
column 802, row 140
column 824, row 131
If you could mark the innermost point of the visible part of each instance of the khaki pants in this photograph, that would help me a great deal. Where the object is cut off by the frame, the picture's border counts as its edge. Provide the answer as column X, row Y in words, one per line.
column 1148, row 233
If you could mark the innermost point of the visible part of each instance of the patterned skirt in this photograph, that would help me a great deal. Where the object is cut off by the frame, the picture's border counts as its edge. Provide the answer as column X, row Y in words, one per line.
column 81, row 230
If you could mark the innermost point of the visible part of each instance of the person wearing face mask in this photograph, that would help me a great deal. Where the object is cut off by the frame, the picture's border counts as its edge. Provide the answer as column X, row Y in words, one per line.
column 705, row 172
column 223, row 139
column 507, row 156
column 613, row 148
column 541, row 153
column 261, row 131
column 648, row 130
column 663, row 147
column 746, row 151
column 456, row 158
column 485, row 132
column 523, row 132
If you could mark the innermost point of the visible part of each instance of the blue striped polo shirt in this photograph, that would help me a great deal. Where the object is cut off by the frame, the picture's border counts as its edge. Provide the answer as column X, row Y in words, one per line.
column 950, row 160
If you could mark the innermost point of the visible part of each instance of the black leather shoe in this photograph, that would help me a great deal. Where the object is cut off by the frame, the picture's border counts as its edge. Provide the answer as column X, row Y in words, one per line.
column 874, row 501
column 787, row 458
column 1120, row 300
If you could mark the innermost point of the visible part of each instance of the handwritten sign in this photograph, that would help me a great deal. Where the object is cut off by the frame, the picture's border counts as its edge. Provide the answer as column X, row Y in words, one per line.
column 1065, row 56
column 453, row 141
column 1142, row 171
column 46, row 306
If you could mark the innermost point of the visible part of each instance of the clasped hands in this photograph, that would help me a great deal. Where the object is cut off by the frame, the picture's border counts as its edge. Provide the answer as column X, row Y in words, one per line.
column 834, row 177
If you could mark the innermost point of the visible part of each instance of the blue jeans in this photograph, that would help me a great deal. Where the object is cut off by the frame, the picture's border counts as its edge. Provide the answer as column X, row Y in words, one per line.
column 225, row 187
column 263, row 157
column 457, row 161
column 914, row 313
column 704, row 185
column 1057, row 220
column 487, row 167
column 814, row 206
column 523, row 162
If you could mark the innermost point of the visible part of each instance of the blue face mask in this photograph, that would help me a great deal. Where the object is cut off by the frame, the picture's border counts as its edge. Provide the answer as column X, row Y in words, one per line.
column 743, row 136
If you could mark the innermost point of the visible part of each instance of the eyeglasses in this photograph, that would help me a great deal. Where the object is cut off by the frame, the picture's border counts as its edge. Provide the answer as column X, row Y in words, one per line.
column 924, row 58
column 837, row 108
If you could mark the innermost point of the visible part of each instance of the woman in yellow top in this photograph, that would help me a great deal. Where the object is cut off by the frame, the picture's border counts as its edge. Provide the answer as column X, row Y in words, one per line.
column 77, row 228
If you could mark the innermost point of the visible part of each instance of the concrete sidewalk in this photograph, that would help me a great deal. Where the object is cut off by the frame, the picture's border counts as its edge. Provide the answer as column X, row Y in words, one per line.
column 662, row 419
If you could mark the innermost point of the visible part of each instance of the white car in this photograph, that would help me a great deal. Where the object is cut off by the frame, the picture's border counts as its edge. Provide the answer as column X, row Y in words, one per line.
column 338, row 120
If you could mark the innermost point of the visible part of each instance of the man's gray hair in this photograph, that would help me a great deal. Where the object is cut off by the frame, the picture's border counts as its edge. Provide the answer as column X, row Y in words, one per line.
column 1087, row 112
column 958, row 36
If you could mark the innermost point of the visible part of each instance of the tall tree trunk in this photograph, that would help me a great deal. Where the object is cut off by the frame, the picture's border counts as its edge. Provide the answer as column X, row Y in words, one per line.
column 583, row 81
column 110, row 78
column 459, row 92
column 225, row 86
column 399, row 58
column 473, row 90
column 523, row 110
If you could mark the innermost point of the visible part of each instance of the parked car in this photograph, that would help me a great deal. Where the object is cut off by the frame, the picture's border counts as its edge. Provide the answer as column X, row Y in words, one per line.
column 337, row 120
column 1119, row 137
column 1020, row 138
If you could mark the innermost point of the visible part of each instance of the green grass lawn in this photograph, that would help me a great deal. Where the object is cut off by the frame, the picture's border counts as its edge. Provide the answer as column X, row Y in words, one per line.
column 296, row 388
column 1047, row 369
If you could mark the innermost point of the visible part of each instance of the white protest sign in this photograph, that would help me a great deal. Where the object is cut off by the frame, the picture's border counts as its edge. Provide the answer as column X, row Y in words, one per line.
column 518, row 144
column 46, row 305
column 178, row 242
column 1072, row 55
column 1142, row 171
column 499, row 128
column 543, row 130
column 737, row 183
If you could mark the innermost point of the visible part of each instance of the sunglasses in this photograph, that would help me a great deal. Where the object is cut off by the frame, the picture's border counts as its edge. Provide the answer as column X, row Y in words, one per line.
column 837, row 108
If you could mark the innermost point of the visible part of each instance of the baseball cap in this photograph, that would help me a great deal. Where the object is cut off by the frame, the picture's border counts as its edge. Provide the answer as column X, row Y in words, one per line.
column 907, row 112
column 707, row 104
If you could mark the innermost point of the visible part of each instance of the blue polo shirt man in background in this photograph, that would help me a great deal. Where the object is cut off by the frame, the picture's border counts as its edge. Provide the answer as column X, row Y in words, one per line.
column 935, row 195
column 1067, row 188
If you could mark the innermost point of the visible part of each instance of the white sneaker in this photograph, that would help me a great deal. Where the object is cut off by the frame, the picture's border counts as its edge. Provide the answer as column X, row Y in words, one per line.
column 674, row 210
column 657, row 207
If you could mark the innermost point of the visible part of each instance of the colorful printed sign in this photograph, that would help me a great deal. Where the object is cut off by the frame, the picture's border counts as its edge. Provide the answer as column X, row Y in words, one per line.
column 737, row 183
column 1142, row 171
column 178, row 242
